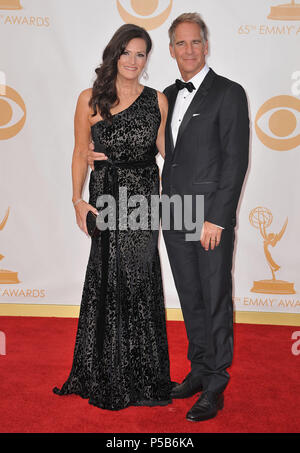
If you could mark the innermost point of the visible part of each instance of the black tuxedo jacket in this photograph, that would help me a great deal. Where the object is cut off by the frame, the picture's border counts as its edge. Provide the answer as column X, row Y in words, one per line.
column 212, row 147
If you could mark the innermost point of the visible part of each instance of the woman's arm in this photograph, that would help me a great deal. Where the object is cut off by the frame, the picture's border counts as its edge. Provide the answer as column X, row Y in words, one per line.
column 82, row 133
column 82, row 139
column 163, row 107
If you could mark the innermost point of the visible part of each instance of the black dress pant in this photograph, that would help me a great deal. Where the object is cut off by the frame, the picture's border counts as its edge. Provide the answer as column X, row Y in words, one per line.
column 204, row 284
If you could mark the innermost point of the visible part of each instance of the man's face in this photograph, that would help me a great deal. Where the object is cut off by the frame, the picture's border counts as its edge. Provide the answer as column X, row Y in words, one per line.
column 188, row 49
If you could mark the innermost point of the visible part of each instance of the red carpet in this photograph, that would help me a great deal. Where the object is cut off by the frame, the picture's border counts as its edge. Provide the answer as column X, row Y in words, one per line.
column 262, row 396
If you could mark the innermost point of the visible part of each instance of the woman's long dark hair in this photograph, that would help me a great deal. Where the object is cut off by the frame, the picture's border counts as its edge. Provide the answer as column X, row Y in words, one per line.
column 104, row 92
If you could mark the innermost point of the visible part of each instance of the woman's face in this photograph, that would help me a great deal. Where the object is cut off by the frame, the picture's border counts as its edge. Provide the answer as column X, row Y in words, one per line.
column 132, row 61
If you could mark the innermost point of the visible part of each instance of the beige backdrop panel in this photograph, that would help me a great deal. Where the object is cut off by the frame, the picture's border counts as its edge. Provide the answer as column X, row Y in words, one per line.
column 51, row 50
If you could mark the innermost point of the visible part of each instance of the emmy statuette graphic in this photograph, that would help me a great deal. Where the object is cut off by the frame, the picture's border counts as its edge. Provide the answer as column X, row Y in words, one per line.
column 7, row 276
column 261, row 218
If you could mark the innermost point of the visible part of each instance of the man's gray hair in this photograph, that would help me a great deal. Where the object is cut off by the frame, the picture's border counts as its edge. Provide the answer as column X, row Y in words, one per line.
column 195, row 18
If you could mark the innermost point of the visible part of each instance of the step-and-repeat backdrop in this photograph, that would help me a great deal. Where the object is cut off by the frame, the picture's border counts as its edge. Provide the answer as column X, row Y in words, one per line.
column 49, row 50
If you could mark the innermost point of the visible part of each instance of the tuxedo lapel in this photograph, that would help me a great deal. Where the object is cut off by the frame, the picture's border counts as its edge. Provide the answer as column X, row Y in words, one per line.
column 196, row 102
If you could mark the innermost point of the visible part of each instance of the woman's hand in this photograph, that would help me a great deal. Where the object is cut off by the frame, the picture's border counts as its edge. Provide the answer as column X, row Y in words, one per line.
column 94, row 156
column 81, row 210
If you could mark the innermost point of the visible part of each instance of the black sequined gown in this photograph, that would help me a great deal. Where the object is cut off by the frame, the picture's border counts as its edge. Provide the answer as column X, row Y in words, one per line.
column 121, row 351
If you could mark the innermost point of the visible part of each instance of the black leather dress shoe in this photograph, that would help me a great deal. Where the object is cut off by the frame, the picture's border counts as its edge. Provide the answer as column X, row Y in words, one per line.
column 186, row 389
column 206, row 407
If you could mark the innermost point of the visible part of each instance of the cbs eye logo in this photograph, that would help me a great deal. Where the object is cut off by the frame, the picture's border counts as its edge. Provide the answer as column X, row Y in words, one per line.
column 10, row 4
column 12, row 112
column 281, row 115
column 149, row 14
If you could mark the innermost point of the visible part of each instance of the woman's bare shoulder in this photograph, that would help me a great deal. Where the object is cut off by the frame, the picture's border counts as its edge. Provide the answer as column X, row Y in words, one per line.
column 83, row 101
column 85, row 95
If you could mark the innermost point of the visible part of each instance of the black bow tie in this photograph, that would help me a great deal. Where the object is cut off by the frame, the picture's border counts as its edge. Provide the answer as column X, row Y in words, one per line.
column 188, row 85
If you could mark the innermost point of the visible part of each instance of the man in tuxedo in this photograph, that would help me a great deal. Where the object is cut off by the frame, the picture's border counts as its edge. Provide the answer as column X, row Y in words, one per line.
column 207, row 142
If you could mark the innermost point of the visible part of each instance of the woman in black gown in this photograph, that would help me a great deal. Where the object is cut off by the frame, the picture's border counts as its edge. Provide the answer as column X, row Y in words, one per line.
column 121, row 351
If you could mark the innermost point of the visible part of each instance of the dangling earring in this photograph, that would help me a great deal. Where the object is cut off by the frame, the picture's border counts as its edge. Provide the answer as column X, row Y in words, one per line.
column 145, row 75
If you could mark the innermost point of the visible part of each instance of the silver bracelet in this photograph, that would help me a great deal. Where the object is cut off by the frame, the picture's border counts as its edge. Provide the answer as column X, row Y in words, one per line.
column 77, row 201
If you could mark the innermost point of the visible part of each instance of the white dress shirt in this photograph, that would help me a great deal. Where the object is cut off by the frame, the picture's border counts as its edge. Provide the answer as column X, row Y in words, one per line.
column 183, row 100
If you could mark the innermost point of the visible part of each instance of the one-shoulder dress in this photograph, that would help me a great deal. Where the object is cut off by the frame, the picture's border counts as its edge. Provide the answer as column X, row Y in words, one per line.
column 121, row 351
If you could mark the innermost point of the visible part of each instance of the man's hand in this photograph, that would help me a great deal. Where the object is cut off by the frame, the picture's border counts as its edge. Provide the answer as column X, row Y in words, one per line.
column 94, row 156
column 210, row 235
